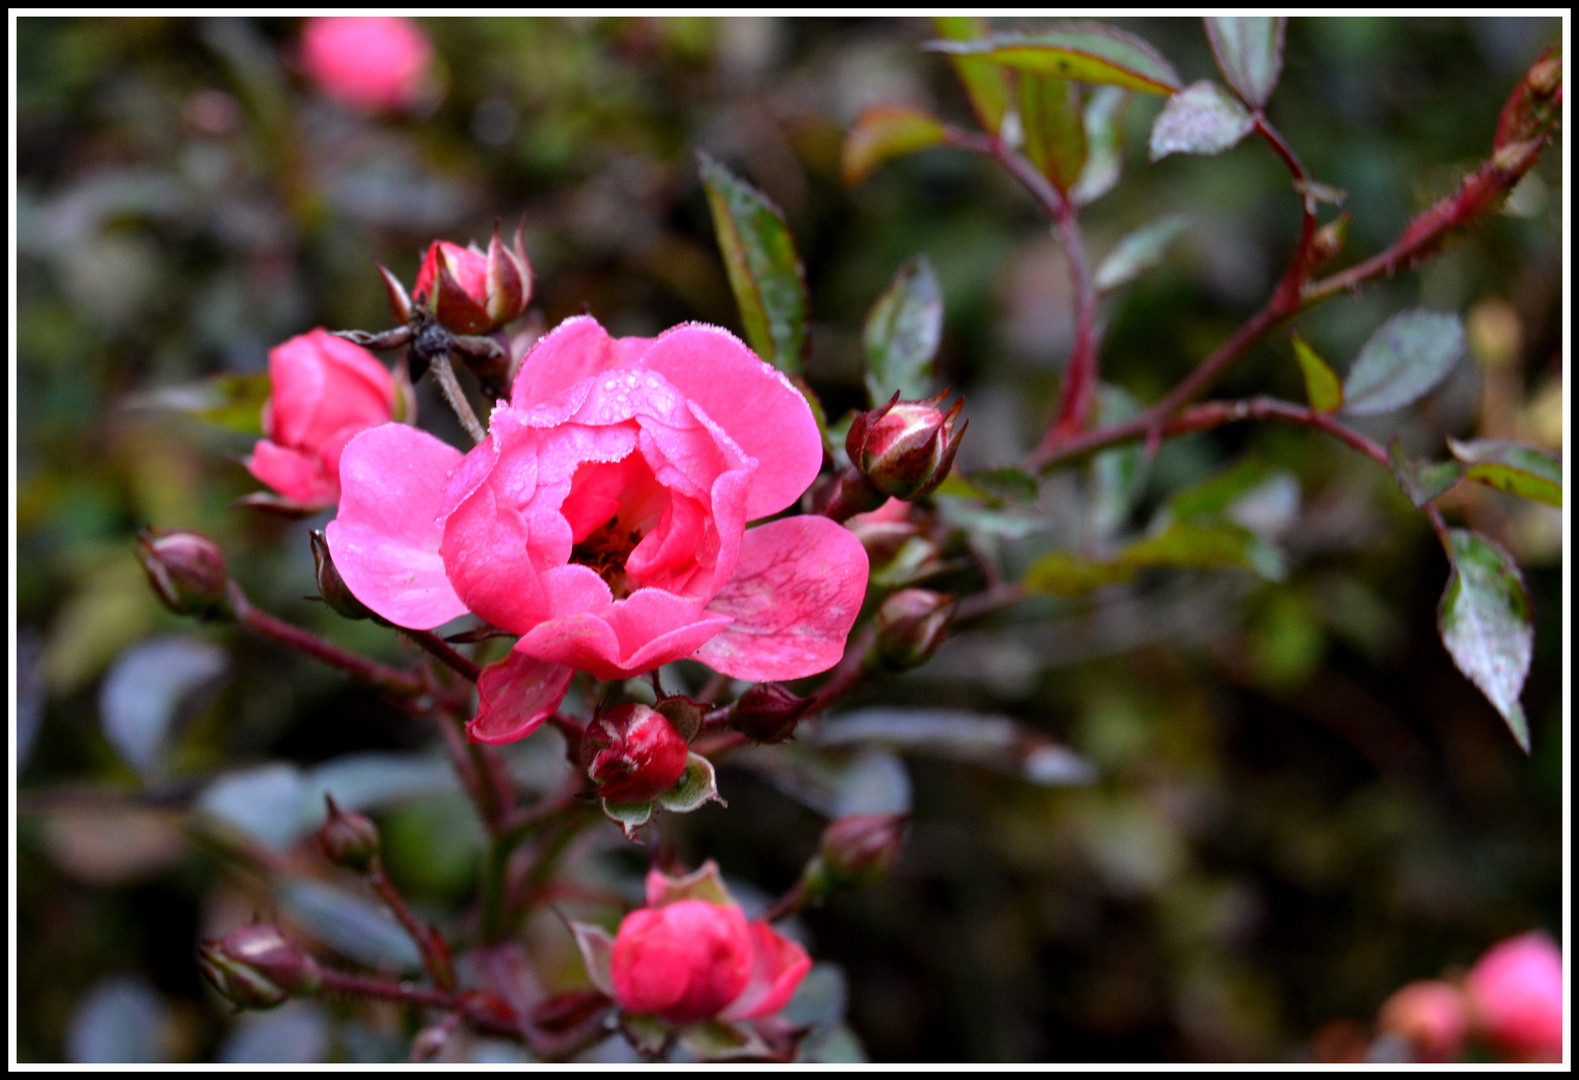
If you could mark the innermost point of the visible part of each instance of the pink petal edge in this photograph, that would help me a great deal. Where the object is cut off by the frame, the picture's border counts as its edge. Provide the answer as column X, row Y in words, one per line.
column 514, row 696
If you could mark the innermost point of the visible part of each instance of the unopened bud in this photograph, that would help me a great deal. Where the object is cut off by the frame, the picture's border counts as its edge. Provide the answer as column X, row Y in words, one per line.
column 911, row 624
column 767, row 713
column 331, row 586
column 883, row 531
column 859, row 850
column 348, row 840
column 257, row 967
column 187, row 570
column 1429, row 1015
column 633, row 753
column 472, row 292
column 906, row 448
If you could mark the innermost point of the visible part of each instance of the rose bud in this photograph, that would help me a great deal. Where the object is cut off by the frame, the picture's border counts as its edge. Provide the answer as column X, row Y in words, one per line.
column 1515, row 995
column 906, row 448
column 330, row 585
column 470, row 292
column 859, row 850
column 373, row 63
column 633, row 753
column 1429, row 1015
column 187, row 570
column 910, row 626
column 767, row 712
column 257, row 967
column 348, row 840
column 324, row 391
column 882, row 532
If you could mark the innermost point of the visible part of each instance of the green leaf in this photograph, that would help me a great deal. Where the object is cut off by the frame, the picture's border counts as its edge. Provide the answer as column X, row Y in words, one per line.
column 1085, row 52
column 884, row 132
column 1203, row 119
column 1138, row 252
column 644, row 1031
column 229, row 401
column 1405, row 358
column 1322, row 388
column 764, row 270
column 628, row 816
column 1422, row 481
column 1182, row 544
column 1055, row 133
column 1214, row 497
column 716, row 1040
column 1249, row 52
column 1104, row 124
column 1117, row 475
column 697, row 785
column 902, row 334
column 984, row 82
column 1486, row 623
column 1005, row 484
column 1517, row 468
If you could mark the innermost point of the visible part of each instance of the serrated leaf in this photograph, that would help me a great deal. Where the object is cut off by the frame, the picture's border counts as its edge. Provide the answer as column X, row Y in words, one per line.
column 884, row 132
column 1486, row 622
column 628, row 816
column 984, row 82
column 1422, row 481
column 1322, row 388
column 597, row 953
column 228, row 401
column 902, row 334
column 1085, row 52
column 1404, row 359
column 1517, row 468
column 1055, row 132
column 1249, row 52
column 764, row 269
column 698, row 785
column 1138, row 252
column 352, row 926
column 1202, row 119
column 1104, row 124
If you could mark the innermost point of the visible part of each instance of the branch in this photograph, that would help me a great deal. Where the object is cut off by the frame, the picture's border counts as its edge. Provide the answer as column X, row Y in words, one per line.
column 445, row 653
column 380, row 675
column 1080, row 379
column 444, row 372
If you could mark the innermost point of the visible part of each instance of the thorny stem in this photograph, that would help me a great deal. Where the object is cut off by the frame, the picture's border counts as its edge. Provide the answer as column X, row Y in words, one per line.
column 444, row 372
column 445, row 653
column 380, row 675
column 435, row 960
column 1080, row 379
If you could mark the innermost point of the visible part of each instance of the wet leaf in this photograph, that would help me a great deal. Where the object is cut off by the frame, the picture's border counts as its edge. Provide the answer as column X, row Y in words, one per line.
column 141, row 696
column 1517, row 468
column 764, row 269
column 1322, row 388
column 984, row 82
column 1249, row 52
column 1203, row 119
column 1422, row 481
column 1405, row 358
column 1104, row 124
column 356, row 928
column 1055, row 133
column 884, row 132
column 1138, row 252
column 1083, row 51
column 1486, row 622
column 229, row 401
column 902, row 334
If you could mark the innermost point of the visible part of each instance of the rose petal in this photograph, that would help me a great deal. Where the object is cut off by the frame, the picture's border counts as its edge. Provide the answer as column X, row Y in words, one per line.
column 686, row 960
column 297, row 476
column 385, row 541
column 514, row 696
column 759, row 408
column 795, row 594
column 646, row 630
column 321, row 383
column 777, row 967
column 572, row 351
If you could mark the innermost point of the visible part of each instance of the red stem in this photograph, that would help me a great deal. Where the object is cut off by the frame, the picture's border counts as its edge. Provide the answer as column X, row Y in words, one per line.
column 380, row 675
column 435, row 955
column 445, row 652
column 1080, row 378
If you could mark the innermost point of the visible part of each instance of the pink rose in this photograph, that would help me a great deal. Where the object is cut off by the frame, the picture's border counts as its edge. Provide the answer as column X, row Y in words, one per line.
column 604, row 521
column 375, row 63
column 1516, row 997
column 325, row 390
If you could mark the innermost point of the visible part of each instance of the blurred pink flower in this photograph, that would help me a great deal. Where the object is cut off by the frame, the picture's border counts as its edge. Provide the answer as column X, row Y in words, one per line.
column 1430, row 1015
column 324, row 391
column 1516, row 997
column 604, row 521
column 372, row 62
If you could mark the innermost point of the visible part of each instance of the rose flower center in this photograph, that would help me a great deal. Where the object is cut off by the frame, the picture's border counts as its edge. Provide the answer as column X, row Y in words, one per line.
column 611, row 507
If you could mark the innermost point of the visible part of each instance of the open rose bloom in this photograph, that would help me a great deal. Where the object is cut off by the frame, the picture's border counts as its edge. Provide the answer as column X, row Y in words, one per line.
column 324, row 390
column 603, row 520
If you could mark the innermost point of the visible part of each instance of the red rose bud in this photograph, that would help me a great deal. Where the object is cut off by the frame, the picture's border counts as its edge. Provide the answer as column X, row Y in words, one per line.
column 767, row 713
column 348, row 840
column 187, row 570
column 633, row 753
column 859, row 850
column 471, row 292
column 331, row 587
column 911, row 625
column 1430, row 1016
column 257, row 967
column 906, row 448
